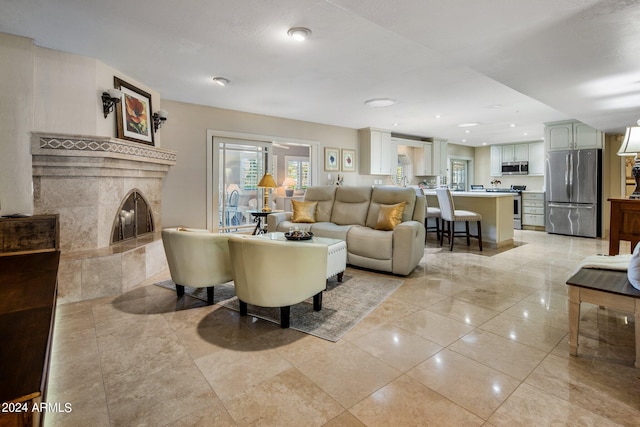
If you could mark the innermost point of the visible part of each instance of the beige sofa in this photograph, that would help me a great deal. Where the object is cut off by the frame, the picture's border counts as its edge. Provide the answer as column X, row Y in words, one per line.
column 351, row 214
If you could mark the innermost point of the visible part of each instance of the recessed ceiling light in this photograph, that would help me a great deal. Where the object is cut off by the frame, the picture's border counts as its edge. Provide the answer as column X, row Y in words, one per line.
column 396, row 124
column 380, row 102
column 464, row 140
column 484, row 143
column 496, row 106
column 221, row 81
column 467, row 131
column 512, row 125
column 437, row 116
column 468, row 125
column 299, row 33
column 525, row 134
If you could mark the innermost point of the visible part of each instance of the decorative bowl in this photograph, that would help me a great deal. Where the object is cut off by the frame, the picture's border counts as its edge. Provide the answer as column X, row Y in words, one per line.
column 299, row 235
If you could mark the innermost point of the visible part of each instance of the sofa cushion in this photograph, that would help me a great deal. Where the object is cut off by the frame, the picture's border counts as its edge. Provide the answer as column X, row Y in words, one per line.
column 324, row 195
column 391, row 196
column 351, row 205
column 304, row 211
column 369, row 243
column 390, row 216
column 330, row 230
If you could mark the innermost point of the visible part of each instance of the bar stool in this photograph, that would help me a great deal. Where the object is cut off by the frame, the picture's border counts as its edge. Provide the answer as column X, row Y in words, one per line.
column 435, row 214
column 450, row 215
column 430, row 213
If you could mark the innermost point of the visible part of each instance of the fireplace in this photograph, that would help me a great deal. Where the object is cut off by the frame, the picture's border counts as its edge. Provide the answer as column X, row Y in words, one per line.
column 91, row 182
column 133, row 219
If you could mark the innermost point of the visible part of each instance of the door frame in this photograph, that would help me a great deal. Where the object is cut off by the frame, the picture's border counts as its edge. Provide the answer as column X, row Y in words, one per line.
column 213, row 158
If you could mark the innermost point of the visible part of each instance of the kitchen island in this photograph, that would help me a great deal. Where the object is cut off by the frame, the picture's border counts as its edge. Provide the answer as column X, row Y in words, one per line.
column 496, row 210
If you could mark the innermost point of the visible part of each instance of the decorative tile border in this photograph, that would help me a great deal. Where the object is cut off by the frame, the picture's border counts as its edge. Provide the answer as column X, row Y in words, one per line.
column 110, row 145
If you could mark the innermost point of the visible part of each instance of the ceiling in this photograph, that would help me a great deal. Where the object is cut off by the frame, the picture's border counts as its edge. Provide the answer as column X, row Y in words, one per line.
column 493, row 62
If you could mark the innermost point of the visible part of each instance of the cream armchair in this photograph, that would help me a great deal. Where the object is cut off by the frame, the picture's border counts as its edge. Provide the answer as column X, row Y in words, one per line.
column 271, row 273
column 197, row 258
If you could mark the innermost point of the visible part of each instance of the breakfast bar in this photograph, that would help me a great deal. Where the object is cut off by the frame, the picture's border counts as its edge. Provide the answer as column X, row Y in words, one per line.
column 496, row 210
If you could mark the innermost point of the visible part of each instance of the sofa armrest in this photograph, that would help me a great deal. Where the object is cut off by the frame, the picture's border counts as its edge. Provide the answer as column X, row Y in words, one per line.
column 276, row 218
column 408, row 246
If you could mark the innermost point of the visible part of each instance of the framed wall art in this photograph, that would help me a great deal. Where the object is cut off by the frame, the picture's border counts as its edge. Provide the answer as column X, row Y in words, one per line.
column 331, row 159
column 348, row 160
column 133, row 113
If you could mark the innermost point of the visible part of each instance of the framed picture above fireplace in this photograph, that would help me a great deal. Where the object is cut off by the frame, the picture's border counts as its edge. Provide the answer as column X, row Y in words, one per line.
column 133, row 113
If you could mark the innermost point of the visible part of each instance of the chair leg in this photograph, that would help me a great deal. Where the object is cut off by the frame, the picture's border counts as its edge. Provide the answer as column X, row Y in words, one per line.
column 179, row 290
column 480, row 235
column 210, row 295
column 317, row 301
column 466, row 225
column 452, row 234
column 284, row 316
column 438, row 228
column 243, row 308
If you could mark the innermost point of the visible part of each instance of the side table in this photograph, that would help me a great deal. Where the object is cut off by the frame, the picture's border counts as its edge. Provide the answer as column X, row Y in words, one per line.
column 257, row 218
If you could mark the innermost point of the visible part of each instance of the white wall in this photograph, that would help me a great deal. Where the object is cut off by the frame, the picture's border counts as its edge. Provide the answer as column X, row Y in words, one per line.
column 48, row 91
column 184, row 192
column 16, row 122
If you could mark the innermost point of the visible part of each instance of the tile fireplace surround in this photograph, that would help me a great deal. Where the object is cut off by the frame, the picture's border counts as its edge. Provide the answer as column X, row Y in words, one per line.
column 85, row 180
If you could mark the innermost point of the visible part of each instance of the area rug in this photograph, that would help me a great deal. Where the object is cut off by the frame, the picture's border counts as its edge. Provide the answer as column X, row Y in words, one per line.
column 344, row 304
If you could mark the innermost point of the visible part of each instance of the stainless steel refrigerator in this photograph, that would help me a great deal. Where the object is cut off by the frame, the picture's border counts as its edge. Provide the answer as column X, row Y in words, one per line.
column 573, row 192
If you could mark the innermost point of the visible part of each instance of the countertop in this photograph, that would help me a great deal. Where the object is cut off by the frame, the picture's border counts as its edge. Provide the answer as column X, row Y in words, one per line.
column 487, row 194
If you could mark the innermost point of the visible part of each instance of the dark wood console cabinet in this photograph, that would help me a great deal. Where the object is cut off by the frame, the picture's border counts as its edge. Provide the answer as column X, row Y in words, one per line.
column 625, row 223
column 29, row 259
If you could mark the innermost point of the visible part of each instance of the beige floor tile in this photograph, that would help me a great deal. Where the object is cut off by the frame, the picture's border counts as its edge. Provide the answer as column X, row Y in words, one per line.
column 463, row 311
column 472, row 385
column 231, row 371
column 606, row 389
column 488, row 298
column 295, row 346
column 554, row 317
column 418, row 294
column 529, row 406
column 345, row 419
column 534, row 334
column 292, row 399
column 397, row 347
column 406, row 402
column 389, row 311
column 502, row 354
column 348, row 373
column 213, row 414
column 434, row 327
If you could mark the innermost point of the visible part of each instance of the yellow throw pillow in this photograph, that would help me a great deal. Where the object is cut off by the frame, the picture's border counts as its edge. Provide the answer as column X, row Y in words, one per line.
column 304, row 211
column 390, row 216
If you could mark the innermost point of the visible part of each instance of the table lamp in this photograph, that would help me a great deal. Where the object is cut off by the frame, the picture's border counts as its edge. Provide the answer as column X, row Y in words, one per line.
column 287, row 184
column 630, row 147
column 267, row 182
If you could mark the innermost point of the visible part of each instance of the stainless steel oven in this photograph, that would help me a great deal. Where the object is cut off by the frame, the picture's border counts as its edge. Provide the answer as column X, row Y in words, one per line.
column 516, row 190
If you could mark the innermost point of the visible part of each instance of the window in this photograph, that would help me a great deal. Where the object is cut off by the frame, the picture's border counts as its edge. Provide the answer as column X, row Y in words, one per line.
column 250, row 176
column 299, row 168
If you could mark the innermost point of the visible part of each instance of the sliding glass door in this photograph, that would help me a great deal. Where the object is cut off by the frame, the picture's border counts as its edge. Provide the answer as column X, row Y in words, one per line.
column 241, row 165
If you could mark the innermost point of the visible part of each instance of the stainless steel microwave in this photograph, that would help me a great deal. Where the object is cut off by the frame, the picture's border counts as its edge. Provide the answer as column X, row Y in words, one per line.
column 515, row 168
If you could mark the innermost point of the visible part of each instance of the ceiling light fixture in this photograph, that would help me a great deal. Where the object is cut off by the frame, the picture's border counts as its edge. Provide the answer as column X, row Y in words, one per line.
column 299, row 33
column 380, row 102
column 468, row 125
column 221, row 81
column 512, row 125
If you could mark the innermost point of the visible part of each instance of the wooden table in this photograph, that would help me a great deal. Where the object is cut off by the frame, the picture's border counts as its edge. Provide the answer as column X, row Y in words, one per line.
column 607, row 288
column 28, row 284
column 624, row 223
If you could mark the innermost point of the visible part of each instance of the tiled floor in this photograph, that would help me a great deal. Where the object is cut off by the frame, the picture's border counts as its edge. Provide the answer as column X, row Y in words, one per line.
column 470, row 338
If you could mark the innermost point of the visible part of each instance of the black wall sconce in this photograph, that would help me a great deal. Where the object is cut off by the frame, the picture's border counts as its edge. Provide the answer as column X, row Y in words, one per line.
column 159, row 117
column 109, row 100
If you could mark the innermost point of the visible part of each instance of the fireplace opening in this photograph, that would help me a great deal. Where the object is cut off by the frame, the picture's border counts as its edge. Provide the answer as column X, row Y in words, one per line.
column 133, row 219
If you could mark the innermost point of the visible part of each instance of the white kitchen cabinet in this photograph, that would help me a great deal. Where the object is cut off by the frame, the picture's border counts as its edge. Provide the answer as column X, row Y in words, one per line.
column 533, row 212
column 571, row 135
column 515, row 153
column 536, row 158
column 378, row 154
column 423, row 159
column 496, row 160
column 440, row 157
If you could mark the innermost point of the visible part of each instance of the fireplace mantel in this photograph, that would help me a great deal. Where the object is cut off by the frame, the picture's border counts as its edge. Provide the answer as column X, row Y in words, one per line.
column 85, row 179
